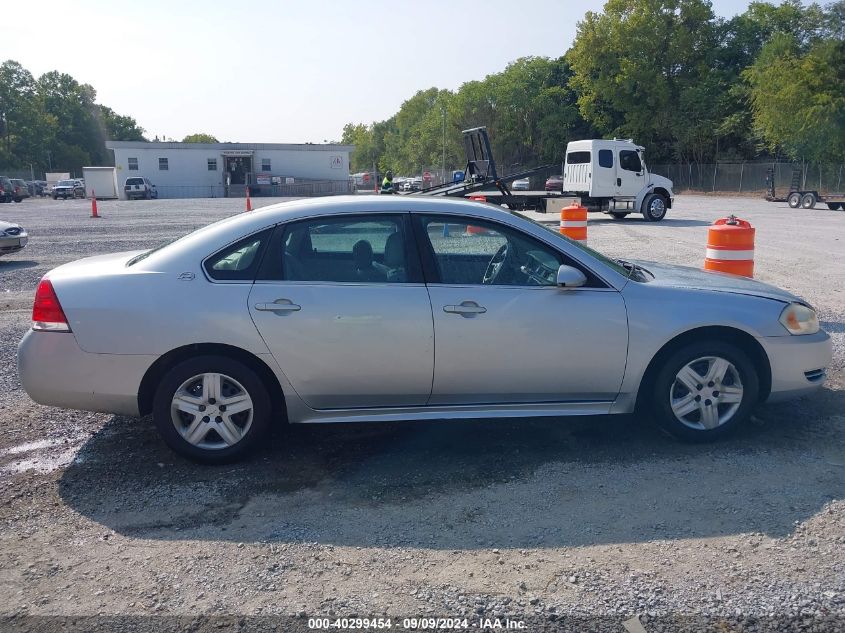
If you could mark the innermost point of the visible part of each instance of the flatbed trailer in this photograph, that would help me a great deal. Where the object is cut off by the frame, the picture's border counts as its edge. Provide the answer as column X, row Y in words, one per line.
column 482, row 179
column 800, row 197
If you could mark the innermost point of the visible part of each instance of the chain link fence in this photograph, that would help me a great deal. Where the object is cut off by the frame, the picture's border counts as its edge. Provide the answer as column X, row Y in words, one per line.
column 751, row 177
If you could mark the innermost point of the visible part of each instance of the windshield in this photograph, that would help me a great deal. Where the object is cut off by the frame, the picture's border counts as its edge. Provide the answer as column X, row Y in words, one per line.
column 65, row 183
column 625, row 271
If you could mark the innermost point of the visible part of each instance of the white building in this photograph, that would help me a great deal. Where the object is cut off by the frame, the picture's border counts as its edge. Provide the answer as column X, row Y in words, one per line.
column 203, row 170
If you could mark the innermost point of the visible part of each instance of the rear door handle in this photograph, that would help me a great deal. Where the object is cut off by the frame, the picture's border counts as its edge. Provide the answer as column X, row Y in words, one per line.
column 279, row 305
column 466, row 308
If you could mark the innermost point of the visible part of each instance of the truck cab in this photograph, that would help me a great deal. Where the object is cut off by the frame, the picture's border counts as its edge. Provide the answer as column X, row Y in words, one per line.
column 611, row 176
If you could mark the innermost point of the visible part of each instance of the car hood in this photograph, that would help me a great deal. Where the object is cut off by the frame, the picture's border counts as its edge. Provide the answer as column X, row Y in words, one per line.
column 697, row 279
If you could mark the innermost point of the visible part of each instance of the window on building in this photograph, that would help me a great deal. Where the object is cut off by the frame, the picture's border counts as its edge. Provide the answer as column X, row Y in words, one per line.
column 265, row 164
column 162, row 164
column 133, row 164
column 212, row 164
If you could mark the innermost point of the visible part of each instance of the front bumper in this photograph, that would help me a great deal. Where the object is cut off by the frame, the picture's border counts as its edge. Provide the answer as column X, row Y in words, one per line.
column 55, row 371
column 13, row 244
column 798, row 363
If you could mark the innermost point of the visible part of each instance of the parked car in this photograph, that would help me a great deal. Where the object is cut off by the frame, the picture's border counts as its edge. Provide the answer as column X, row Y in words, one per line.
column 412, row 184
column 137, row 188
column 521, row 185
column 13, row 238
column 368, row 310
column 7, row 189
column 20, row 189
column 65, row 189
column 555, row 183
column 37, row 187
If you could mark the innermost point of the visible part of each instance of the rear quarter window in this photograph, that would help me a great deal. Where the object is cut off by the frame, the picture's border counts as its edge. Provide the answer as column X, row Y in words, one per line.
column 577, row 158
column 239, row 261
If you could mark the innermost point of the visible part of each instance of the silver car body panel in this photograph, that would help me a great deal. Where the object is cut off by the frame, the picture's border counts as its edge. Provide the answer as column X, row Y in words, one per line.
column 523, row 348
column 350, row 345
column 338, row 358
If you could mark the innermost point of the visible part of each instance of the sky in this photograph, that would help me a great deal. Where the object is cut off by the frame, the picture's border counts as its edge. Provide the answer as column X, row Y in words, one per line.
column 284, row 71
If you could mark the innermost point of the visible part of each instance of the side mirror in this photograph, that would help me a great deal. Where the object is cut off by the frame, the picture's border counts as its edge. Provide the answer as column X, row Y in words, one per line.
column 569, row 277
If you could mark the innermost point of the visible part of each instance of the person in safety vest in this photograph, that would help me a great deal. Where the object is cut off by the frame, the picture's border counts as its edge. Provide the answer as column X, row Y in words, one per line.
column 387, row 183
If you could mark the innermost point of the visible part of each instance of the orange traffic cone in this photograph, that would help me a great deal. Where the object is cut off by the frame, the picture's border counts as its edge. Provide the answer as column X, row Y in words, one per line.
column 248, row 201
column 94, row 205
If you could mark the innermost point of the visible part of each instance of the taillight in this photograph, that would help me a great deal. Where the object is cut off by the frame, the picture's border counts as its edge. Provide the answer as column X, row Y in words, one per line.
column 47, row 313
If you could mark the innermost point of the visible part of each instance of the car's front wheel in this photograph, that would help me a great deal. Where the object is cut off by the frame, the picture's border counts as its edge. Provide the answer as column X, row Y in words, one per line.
column 212, row 409
column 654, row 207
column 705, row 390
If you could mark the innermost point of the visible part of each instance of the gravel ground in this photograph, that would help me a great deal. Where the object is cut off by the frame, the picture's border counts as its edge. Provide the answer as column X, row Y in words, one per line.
column 576, row 524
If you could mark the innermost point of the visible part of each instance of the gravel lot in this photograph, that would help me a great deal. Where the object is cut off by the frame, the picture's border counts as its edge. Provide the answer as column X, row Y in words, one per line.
column 574, row 524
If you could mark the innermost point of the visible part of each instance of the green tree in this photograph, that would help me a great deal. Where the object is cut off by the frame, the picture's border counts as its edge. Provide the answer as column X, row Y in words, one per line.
column 199, row 138
column 79, row 138
column 25, row 127
column 116, row 127
column 798, row 97
column 632, row 64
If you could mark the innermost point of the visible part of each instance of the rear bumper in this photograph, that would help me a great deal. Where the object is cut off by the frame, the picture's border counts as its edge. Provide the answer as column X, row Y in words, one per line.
column 798, row 363
column 55, row 371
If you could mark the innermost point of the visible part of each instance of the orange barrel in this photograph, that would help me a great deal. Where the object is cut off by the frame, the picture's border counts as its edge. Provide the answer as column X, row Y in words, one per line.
column 573, row 222
column 730, row 247
column 476, row 230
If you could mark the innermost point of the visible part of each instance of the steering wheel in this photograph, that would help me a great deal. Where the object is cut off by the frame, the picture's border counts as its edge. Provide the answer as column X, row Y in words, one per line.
column 497, row 263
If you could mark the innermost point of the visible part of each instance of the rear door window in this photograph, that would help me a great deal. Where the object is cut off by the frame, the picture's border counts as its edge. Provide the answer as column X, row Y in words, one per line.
column 605, row 158
column 349, row 249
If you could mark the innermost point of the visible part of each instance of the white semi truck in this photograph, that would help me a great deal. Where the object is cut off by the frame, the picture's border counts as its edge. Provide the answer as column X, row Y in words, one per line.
column 612, row 177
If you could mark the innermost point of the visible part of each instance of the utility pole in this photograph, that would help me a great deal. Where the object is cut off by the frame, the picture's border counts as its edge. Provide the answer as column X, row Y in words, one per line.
column 443, row 111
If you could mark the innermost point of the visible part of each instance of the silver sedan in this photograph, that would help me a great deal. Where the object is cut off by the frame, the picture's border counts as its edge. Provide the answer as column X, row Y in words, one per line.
column 13, row 238
column 385, row 308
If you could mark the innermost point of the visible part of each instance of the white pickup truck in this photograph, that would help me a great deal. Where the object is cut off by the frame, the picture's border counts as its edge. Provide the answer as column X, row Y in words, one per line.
column 612, row 177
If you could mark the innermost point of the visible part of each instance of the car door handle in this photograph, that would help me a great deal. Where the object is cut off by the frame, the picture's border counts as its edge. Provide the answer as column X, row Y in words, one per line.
column 466, row 308
column 279, row 305
column 618, row 182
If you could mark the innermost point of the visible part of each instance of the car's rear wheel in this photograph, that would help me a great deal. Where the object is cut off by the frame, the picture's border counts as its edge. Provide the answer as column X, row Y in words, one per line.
column 705, row 390
column 619, row 214
column 212, row 409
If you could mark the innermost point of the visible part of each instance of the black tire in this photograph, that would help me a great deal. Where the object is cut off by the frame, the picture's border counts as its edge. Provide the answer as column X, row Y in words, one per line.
column 794, row 200
column 808, row 201
column 654, row 207
column 148, row 196
column 834, row 206
column 664, row 387
column 619, row 214
column 232, row 369
column 18, row 199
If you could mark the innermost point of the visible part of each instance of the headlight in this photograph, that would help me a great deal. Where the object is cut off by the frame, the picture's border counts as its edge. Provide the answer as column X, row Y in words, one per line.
column 799, row 319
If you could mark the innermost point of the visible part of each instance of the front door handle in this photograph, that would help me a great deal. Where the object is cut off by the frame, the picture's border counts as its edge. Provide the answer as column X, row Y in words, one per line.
column 618, row 182
column 279, row 305
column 466, row 308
